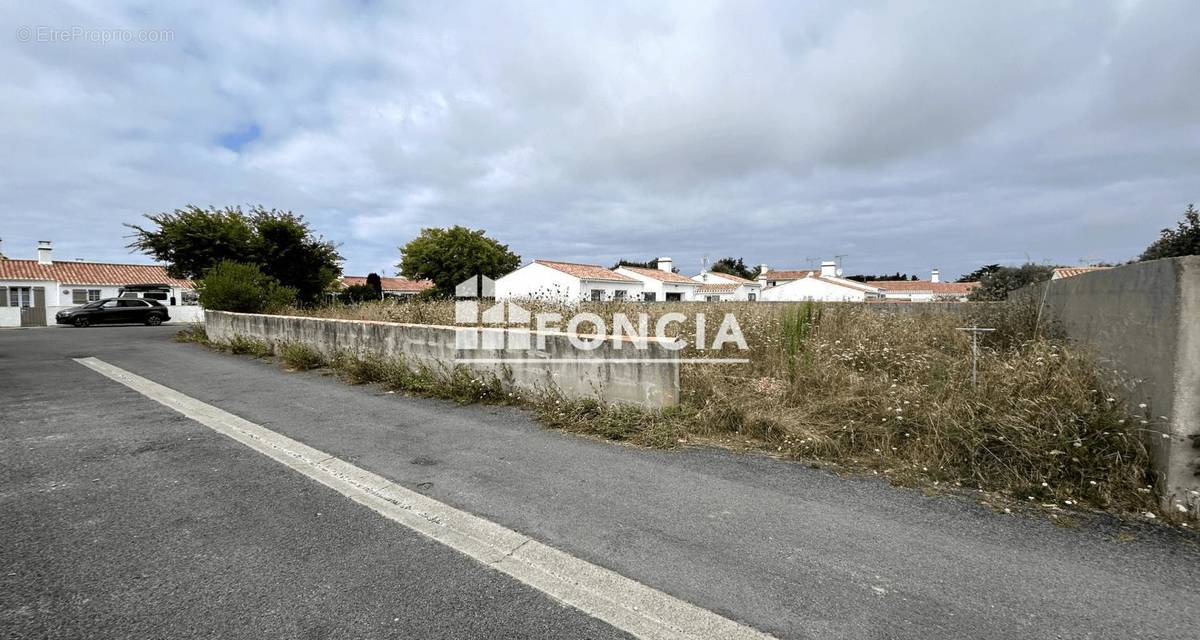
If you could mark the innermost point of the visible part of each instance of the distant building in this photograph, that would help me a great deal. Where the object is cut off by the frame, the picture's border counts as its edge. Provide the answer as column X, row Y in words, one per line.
column 662, row 284
column 32, row 291
column 721, row 287
column 392, row 287
column 1071, row 272
column 822, row 286
column 931, row 290
column 567, row 282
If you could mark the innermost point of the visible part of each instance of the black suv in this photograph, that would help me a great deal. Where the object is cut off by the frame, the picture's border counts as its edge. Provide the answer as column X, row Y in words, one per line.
column 115, row 311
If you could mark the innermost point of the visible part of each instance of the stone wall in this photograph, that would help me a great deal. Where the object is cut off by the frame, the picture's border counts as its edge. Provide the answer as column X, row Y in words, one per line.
column 527, row 360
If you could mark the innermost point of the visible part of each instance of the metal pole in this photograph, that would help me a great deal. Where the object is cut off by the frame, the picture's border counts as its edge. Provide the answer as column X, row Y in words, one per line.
column 975, row 331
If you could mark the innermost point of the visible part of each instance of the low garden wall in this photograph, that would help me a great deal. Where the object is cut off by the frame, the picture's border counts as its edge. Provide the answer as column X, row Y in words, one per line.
column 530, row 361
column 1144, row 320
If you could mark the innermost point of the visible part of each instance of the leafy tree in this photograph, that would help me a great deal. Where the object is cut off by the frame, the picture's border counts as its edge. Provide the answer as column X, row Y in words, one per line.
column 193, row 240
column 997, row 283
column 978, row 274
column 734, row 267
column 882, row 277
column 359, row 293
column 241, row 287
column 1184, row 240
column 376, row 284
column 449, row 256
column 649, row 264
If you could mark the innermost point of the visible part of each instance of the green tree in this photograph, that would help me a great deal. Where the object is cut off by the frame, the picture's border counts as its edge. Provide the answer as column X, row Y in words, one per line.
column 359, row 293
column 376, row 284
column 994, row 285
column 241, row 287
column 734, row 267
column 978, row 274
column 1184, row 240
column 450, row 256
column 192, row 240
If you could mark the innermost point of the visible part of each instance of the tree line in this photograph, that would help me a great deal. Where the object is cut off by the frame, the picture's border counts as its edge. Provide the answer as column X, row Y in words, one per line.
column 262, row 258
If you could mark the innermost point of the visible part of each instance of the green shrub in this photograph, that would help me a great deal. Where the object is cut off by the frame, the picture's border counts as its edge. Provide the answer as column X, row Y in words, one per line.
column 240, row 287
column 242, row 345
column 194, row 332
column 356, row 293
column 300, row 357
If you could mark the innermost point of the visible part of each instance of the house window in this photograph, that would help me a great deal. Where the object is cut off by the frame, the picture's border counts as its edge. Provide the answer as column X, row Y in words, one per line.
column 650, row 296
column 752, row 297
column 597, row 295
column 84, row 296
column 20, row 296
column 713, row 298
column 619, row 294
column 674, row 297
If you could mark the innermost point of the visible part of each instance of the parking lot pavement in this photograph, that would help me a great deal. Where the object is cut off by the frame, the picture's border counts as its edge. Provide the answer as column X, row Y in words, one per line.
column 107, row 486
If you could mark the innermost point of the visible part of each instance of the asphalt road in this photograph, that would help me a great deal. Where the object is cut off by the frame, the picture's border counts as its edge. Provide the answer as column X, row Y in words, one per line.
column 121, row 518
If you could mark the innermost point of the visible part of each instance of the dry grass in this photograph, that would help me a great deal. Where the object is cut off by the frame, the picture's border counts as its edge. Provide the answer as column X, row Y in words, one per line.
column 869, row 388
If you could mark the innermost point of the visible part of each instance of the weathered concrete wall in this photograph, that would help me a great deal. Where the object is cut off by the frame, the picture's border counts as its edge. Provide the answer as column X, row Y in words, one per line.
column 531, row 361
column 1144, row 320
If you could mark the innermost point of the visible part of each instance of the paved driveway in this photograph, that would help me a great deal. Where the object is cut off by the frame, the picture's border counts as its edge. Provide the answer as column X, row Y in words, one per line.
column 123, row 518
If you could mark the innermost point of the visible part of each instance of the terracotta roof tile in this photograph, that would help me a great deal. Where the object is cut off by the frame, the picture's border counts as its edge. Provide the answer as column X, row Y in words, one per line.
column 585, row 271
column 659, row 274
column 1070, row 272
column 789, row 274
column 946, row 288
column 718, row 288
column 390, row 284
column 103, row 273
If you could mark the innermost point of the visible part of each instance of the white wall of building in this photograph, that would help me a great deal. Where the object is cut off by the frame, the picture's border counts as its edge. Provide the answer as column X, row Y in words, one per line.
column 659, row 288
column 816, row 289
column 745, row 290
column 538, row 282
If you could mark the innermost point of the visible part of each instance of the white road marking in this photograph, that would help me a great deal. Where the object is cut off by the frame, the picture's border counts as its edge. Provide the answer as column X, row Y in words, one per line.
column 624, row 603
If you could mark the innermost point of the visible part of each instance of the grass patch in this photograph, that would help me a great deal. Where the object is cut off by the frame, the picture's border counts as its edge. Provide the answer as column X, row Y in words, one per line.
column 193, row 333
column 299, row 357
column 243, row 345
column 874, row 388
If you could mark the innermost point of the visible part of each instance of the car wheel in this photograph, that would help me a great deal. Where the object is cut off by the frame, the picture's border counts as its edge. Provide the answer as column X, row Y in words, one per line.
column 82, row 321
column 154, row 320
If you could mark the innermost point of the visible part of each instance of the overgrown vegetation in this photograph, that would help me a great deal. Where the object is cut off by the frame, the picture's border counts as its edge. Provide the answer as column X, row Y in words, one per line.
column 859, row 387
column 1183, row 240
column 192, row 240
column 237, row 286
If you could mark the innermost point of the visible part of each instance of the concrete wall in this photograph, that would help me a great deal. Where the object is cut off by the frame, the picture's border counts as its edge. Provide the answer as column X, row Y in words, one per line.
column 1144, row 320
column 527, row 360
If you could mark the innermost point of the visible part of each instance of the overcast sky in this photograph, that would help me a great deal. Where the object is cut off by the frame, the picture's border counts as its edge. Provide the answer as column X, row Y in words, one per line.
column 905, row 135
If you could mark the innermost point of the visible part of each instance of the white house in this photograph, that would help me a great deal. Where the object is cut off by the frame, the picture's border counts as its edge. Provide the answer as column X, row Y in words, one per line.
column 662, row 284
column 567, row 282
column 722, row 287
column 931, row 290
column 825, row 286
column 768, row 278
column 32, row 291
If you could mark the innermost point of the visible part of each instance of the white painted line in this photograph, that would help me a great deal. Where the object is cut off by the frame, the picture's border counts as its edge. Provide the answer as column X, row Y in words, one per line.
column 626, row 604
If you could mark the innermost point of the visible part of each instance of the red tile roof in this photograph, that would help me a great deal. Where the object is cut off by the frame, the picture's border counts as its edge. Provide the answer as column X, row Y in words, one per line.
column 730, row 277
column 718, row 288
column 585, row 271
column 102, row 273
column 659, row 274
column 1070, row 272
column 944, row 288
column 788, row 275
column 390, row 284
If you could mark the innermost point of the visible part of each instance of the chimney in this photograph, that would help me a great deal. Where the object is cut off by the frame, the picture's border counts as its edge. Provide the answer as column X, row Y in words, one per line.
column 666, row 264
column 934, row 276
column 762, row 271
column 829, row 269
column 44, row 252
